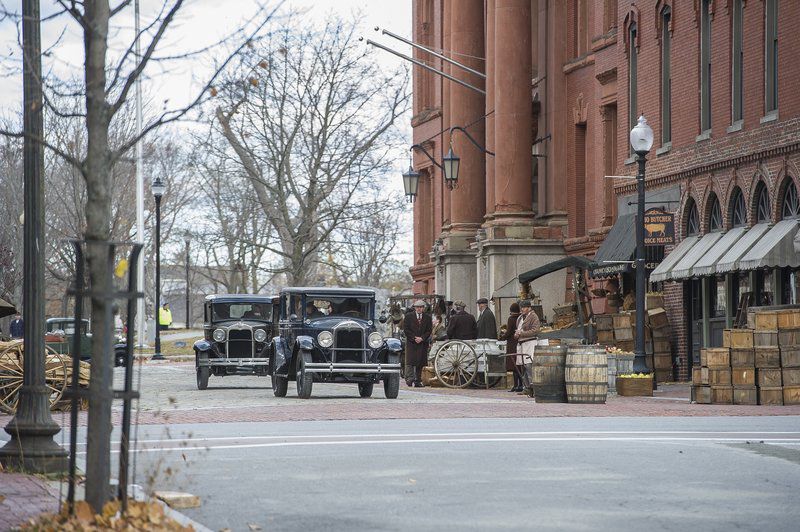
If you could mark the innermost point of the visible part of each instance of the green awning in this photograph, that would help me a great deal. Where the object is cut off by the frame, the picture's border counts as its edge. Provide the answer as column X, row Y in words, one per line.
column 674, row 256
column 707, row 264
column 775, row 249
column 616, row 251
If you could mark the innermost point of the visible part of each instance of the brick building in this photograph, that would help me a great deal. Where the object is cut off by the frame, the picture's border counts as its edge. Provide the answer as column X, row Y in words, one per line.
column 564, row 84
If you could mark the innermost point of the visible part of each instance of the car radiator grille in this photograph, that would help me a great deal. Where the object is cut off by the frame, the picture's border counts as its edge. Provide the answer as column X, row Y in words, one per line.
column 350, row 339
column 240, row 344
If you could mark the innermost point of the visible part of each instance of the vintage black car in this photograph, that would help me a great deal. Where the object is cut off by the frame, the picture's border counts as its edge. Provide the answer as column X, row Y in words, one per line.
column 329, row 335
column 238, row 332
column 60, row 334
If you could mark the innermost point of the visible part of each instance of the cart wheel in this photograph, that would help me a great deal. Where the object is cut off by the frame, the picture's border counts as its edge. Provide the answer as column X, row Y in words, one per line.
column 10, row 378
column 11, row 371
column 456, row 364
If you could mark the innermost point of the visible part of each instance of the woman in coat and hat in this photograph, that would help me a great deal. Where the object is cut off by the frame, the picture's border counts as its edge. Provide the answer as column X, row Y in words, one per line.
column 511, row 347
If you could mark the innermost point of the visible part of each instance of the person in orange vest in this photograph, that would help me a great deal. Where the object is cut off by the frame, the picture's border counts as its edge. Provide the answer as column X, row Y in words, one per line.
column 164, row 317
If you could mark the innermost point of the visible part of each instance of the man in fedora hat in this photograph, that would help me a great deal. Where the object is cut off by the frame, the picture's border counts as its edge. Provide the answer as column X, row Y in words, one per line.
column 462, row 324
column 418, row 327
column 487, row 324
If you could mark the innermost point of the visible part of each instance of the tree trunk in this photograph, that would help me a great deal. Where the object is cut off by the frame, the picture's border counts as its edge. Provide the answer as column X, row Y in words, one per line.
column 98, row 217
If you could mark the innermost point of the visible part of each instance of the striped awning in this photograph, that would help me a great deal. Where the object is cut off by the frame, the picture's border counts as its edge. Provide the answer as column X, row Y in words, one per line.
column 685, row 267
column 707, row 264
column 775, row 249
column 669, row 262
column 730, row 260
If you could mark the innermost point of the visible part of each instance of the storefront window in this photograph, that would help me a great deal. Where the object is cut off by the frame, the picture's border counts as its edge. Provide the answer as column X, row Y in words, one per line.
column 789, row 282
column 719, row 302
column 791, row 205
column 763, row 210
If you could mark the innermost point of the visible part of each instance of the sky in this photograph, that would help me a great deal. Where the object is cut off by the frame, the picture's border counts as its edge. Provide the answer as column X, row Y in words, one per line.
column 200, row 23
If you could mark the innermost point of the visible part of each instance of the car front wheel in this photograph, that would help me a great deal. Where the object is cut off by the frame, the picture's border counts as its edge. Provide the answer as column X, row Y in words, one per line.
column 202, row 378
column 391, row 386
column 280, row 385
column 365, row 389
column 305, row 380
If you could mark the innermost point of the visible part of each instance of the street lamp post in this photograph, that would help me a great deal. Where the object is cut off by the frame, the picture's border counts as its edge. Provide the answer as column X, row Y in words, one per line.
column 186, row 240
column 31, row 447
column 641, row 138
column 158, row 190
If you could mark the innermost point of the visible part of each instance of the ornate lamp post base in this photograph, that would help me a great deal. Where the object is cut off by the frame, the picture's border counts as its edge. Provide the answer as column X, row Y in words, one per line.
column 31, row 447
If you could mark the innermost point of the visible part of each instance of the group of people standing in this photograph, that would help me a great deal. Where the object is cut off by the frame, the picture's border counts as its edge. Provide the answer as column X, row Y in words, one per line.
column 421, row 329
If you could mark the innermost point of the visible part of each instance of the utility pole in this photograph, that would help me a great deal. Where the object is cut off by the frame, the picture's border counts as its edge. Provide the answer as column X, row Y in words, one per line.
column 32, row 447
column 188, row 316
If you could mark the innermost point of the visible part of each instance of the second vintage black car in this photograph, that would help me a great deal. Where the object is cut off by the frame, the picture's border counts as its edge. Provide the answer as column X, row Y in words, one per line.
column 238, row 333
column 329, row 335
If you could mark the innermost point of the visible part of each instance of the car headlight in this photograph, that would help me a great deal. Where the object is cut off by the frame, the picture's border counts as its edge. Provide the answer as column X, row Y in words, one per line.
column 219, row 335
column 260, row 335
column 375, row 340
column 325, row 339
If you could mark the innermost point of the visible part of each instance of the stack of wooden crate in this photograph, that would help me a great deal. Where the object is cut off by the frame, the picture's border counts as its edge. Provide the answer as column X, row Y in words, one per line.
column 662, row 346
column 777, row 346
column 754, row 366
column 623, row 331
column 604, row 323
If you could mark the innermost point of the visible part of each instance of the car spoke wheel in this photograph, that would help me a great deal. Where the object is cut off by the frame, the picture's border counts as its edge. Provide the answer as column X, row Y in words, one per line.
column 391, row 386
column 202, row 377
column 305, row 380
column 456, row 364
column 365, row 389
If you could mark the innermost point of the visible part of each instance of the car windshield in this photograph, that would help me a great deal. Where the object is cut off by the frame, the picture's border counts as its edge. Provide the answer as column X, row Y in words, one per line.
column 68, row 326
column 241, row 311
column 351, row 307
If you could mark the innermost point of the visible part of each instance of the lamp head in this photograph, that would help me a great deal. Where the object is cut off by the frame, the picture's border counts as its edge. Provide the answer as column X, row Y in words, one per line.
column 158, row 187
column 450, row 165
column 641, row 136
column 411, row 182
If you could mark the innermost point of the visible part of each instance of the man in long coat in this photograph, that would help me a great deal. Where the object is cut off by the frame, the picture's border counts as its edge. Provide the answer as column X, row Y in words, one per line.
column 462, row 324
column 487, row 324
column 418, row 327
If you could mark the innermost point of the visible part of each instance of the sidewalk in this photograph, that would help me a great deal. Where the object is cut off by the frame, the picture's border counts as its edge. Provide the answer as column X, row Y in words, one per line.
column 23, row 497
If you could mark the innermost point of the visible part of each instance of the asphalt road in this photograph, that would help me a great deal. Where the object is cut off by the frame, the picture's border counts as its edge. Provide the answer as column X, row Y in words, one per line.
column 484, row 474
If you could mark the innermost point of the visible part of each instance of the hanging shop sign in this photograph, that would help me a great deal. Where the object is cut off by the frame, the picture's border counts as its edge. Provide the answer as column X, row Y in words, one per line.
column 659, row 227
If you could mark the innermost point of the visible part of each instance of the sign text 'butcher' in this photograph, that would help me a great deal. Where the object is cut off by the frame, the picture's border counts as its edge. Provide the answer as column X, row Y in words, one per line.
column 659, row 227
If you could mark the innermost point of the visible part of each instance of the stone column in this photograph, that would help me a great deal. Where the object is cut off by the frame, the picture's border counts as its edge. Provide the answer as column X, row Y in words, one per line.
column 467, row 201
column 490, row 74
column 513, row 108
column 446, row 87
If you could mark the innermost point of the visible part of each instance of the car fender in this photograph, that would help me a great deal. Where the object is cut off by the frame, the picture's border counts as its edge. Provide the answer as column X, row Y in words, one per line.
column 202, row 351
column 282, row 357
column 393, row 344
column 305, row 343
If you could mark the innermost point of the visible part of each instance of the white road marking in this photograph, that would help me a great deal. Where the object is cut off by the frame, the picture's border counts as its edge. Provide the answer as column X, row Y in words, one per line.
column 767, row 437
column 753, row 434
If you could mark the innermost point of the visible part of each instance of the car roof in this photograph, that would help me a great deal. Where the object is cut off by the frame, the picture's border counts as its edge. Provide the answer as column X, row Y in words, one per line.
column 329, row 290
column 232, row 298
column 49, row 320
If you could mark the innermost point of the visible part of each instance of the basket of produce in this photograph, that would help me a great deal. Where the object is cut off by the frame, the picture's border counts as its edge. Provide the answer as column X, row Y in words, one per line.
column 635, row 384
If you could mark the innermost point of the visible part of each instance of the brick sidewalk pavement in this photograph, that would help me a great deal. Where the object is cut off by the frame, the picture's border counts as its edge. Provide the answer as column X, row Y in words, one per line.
column 23, row 497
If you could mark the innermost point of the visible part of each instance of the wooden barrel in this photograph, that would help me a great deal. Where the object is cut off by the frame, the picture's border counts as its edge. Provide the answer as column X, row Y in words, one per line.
column 548, row 374
column 586, row 374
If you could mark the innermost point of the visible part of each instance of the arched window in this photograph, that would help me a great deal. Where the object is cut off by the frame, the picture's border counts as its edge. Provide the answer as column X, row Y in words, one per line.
column 763, row 208
column 714, row 214
column 692, row 220
column 790, row 205
column 738, row 209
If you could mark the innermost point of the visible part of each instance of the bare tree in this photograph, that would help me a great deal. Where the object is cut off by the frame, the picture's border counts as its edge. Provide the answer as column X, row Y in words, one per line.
column 362, row 252
column 312, row 128
column 11, row 225
column 105, row 87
